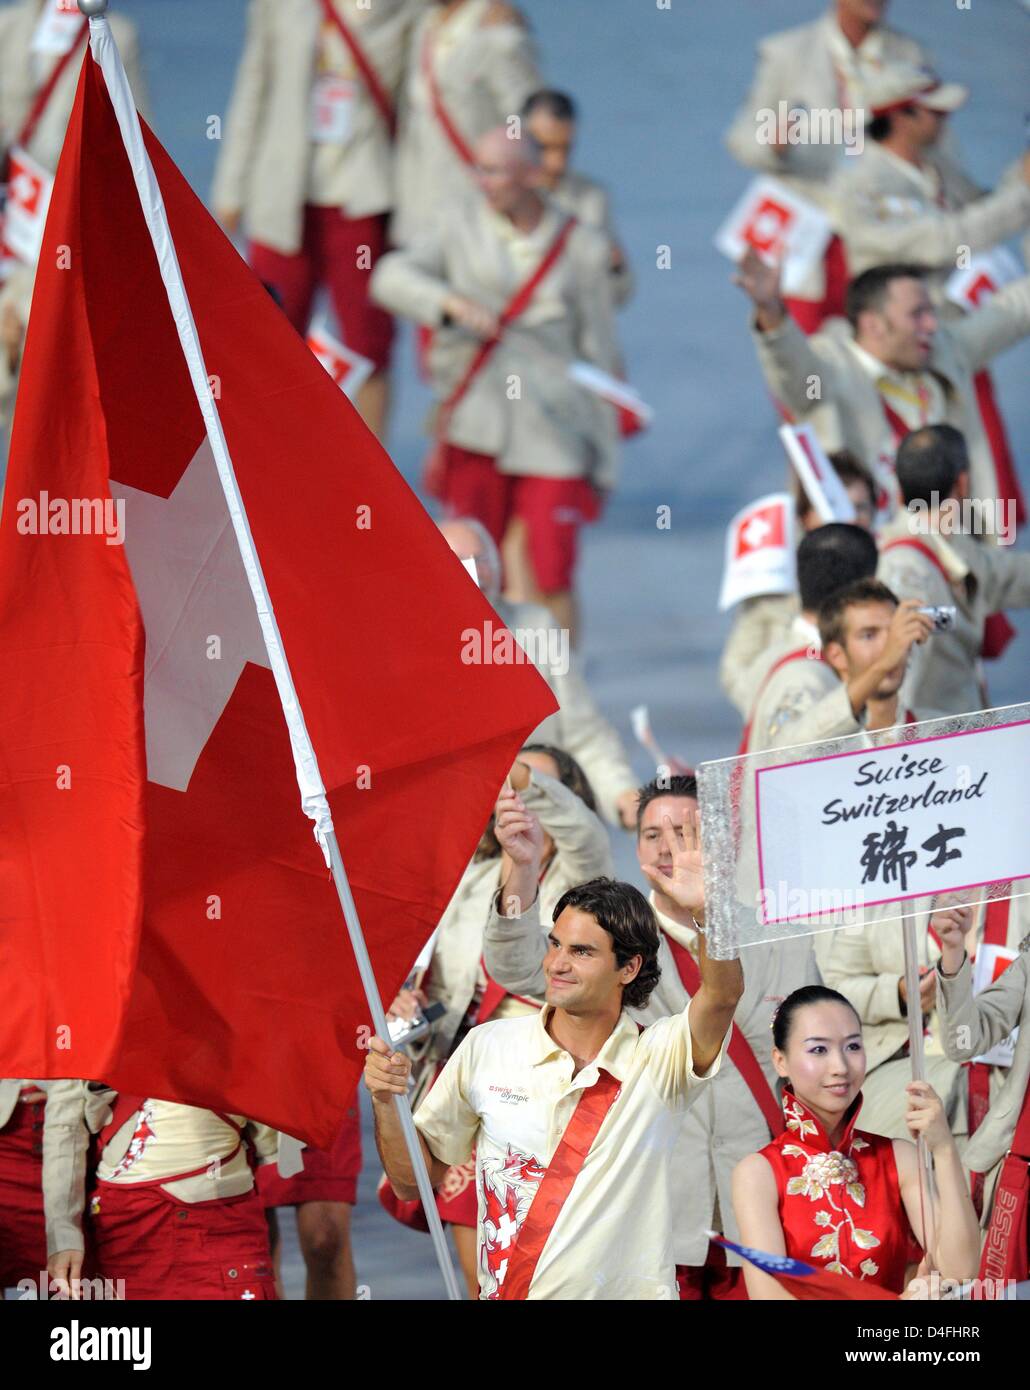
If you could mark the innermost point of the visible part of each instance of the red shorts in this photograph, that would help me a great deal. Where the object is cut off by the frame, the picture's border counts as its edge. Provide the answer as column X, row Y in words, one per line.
column 553, row 510
column 712, row 1281
column 23, row 1249
column 164, row 1248
column 330, row 256
column 329, row 1175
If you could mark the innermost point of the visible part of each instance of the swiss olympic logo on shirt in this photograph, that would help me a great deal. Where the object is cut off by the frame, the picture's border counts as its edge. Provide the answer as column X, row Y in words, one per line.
column 508, row 1096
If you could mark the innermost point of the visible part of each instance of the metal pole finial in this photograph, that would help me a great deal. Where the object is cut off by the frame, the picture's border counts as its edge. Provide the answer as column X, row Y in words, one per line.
column 92, row 8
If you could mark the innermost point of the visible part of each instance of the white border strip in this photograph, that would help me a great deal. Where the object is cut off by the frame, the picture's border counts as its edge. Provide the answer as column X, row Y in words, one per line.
column 309, row 778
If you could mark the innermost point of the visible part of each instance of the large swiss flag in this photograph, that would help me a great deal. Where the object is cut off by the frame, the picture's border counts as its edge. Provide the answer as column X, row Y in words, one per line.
column 167, row 922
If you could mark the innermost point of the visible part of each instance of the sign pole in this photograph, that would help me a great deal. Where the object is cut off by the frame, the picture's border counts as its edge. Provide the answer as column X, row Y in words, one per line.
column 918, row 1060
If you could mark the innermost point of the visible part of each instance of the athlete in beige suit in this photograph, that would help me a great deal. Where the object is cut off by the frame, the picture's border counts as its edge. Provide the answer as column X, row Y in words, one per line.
column 484, row 63
column 524, row 439
column 865, row 383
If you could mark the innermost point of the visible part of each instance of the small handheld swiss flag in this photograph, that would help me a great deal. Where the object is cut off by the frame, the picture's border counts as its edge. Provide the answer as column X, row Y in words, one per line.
column 28, row 198
column 779, row 226
column 759, row 551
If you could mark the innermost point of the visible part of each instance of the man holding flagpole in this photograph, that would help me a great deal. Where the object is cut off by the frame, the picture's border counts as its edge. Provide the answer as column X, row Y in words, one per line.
column 192, row 945
column 573, row 1113
column 740, row 1108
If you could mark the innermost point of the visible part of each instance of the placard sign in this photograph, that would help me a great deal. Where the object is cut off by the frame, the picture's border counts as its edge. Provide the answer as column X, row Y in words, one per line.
column 817, row 475
column 891, row 823
column 780, row 226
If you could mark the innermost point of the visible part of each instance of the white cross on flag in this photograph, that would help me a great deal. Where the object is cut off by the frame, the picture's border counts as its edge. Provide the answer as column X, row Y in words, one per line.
column 778, row 225
column 282, row 614
column 28, row 197
column 759, row 551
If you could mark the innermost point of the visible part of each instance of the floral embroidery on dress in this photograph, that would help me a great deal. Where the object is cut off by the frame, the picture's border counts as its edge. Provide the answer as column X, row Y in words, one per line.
column 796, row 1118
column 822, row 1173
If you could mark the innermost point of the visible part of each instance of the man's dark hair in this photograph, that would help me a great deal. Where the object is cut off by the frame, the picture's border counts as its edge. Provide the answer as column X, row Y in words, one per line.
column 808, row 994
column 627, row 917
column 557, row 104
column 931, row 460
column 570, row 775
column 831, row 557
column 870, row 289
column 834, row 610
column 849, row 469
column 680, row 784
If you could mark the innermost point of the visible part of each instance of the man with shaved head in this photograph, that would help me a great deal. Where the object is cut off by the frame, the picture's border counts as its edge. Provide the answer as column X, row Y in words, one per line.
column 515, row 291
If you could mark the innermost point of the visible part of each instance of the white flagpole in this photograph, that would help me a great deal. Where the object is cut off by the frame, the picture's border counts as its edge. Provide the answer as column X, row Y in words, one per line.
column 309, row 778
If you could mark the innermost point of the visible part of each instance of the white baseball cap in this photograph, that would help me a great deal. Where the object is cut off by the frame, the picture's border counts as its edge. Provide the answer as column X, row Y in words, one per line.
column 901, row 84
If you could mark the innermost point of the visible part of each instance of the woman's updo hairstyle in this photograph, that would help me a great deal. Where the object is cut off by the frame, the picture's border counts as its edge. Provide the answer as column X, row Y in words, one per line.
column 808, row 994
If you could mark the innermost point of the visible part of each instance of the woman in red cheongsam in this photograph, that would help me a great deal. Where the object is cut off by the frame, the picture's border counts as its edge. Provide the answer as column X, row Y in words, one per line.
column 833, row 1195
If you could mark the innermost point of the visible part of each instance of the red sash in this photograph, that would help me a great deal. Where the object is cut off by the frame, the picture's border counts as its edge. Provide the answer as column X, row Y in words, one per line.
column 556, row 1184
column 454, row 135
column 798, row 655
column 369, row 76
column 978, row 1074
column 1005, row 473
column 1005, row 1249
column 492, row 996
column 925, row 550
column 42, row 97
column 739, row 1049
column 519, row 302
column 515, row 307
column 897, row 425
column 998, row 631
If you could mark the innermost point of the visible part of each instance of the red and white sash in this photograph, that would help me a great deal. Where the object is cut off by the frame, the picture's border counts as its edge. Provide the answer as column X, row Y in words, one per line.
column 369, row 76
column 458, row 143
column 802, row 653
column 517, row 305
column 556, row 1184
column 978, row 1074
column 1005, row 1248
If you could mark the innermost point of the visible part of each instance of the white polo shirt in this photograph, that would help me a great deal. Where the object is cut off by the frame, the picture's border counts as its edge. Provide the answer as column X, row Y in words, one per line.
column 508, row 1093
